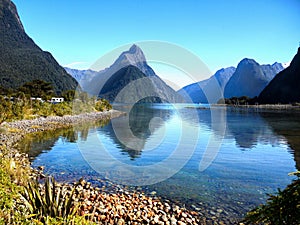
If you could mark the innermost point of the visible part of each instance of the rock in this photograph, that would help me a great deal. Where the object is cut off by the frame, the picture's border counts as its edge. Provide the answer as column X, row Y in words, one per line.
column 212, row 212
column 219, row 210
column 173, row 221
column 183, row 215
column 156, row 219
column 121, row 222
column 41, row 168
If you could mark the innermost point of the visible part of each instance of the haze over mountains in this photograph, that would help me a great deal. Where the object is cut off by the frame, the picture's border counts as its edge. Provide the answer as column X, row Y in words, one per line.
column 21, row 60
column 197, row 92
column 248, row 79
column 130, row 66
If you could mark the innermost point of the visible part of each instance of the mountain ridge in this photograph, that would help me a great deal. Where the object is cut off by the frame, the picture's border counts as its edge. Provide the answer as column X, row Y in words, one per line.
column 199, row 91
column 97, row 81
column 284, row 88
column 21, row 60
column 250, row 78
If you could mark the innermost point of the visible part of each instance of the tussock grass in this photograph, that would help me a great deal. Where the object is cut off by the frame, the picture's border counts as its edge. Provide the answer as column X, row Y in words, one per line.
column 24, row 202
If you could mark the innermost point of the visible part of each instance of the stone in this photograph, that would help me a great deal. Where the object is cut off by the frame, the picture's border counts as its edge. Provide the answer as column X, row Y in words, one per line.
column 121, row 222
column 156, row 219
column 173, row 221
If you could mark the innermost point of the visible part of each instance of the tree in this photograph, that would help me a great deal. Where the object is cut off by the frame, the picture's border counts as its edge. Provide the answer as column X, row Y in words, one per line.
column 38, row 88
column 69, row 95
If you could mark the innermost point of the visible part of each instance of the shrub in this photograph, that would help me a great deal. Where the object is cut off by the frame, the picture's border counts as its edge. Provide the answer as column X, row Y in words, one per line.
column 50, row 202
column 283, row 208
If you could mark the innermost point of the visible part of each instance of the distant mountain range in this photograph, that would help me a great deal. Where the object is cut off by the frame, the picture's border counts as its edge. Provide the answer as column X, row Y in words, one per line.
column 21, row 60
column 79, row 75
column 248, row 79
column 214, row 87
column 284, row 88
column 130, row 66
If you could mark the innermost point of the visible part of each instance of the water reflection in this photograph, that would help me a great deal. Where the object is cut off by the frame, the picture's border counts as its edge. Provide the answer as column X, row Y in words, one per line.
column 247, row 128
column 287, row 126
column 41, row 142
column 133, row 130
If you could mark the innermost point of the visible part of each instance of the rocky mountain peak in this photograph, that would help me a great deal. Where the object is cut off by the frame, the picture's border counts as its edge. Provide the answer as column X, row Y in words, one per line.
column 134, row 56
column 9, row 5
column 247, row 62
column 250, row 78
column 134, row 49
column 277, row 67
column 225, row 73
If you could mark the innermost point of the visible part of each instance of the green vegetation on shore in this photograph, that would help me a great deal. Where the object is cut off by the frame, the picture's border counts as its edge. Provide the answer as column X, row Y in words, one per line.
column 245, row 100
column 23, row 202
column 11, row 177
column 283, row 208
column 19, row 104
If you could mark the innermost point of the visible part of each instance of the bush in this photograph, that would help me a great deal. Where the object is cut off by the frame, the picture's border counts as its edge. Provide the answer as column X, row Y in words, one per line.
column 283, row 208
column 50, row 202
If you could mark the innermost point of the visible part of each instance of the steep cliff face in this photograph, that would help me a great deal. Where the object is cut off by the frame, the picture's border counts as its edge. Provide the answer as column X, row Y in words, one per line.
column 250, row 78
column 21, row 60
column 284, row 88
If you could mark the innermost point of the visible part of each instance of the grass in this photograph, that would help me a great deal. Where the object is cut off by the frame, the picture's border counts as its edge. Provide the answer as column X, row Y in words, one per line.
column 12, row 175
column 23, row 202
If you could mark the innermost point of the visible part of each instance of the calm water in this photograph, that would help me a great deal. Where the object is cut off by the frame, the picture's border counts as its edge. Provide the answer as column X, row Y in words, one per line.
column 216, row 158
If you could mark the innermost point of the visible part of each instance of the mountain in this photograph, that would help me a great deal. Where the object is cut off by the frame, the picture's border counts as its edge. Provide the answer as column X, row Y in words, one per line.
column 138, row 87
column 284, row 88
column 134, row 56
column 196, row 92
column 80, row 74
column 250, row 78
column 21, row 60
column 83, row 77
column 130, row 66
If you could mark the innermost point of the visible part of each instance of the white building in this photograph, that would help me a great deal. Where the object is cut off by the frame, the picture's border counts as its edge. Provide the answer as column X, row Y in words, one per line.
column 56, row 100
column 37, row 99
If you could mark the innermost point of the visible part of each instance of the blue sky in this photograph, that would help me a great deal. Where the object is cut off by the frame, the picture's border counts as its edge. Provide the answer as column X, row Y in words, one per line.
column 219, row 32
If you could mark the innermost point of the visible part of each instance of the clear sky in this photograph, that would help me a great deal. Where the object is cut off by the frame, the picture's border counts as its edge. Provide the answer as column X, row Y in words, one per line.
column 219, row 32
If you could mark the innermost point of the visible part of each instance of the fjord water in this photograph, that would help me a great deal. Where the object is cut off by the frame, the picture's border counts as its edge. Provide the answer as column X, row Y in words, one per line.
column 215, row 157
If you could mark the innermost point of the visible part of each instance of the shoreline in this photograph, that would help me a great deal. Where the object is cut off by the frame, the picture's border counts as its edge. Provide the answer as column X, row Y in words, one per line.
column 132, row 206
column 257, row 108
column 267, row 106
column 12, row 132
